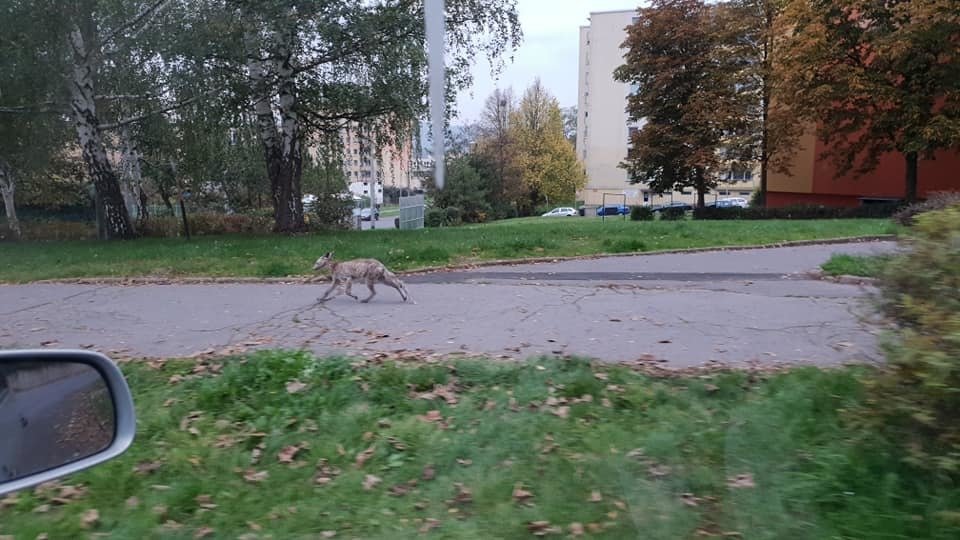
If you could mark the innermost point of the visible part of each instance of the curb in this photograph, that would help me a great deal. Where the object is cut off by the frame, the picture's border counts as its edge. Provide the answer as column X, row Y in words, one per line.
column 187, row 280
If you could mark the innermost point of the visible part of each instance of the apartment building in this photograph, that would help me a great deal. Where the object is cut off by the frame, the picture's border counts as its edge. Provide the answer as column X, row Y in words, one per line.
column 604, row 128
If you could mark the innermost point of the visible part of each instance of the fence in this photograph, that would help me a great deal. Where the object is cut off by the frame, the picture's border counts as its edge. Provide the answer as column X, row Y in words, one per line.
column 411, row 212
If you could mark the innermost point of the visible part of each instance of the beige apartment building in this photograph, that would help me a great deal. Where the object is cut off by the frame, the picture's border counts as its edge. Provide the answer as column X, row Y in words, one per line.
column 370, row 167
column 603, row 126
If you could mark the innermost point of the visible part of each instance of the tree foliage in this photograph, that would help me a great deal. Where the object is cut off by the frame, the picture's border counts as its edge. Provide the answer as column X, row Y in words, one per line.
column 875, row 77
column 686, row 96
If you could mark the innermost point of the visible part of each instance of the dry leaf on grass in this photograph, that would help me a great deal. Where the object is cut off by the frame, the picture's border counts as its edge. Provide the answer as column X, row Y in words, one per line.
column 595, row 496
column 289, row 453
column 432, row 416
column 429, row 473
column 365, row 456
column 521, row 495
column 370, row 481
column 205, row 502
column 562, row 412
column 463, row 494
column 741, row 481
column 146, row 467
column 328, row 534
column 576, row 529
column 203, row 532
column 429, row 525
column 294, row 387
column 542, row 528
column 90, row 519
column 255, row 477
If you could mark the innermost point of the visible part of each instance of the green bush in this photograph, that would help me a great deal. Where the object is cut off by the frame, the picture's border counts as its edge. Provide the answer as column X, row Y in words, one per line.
column 796, row 212
column 641, row 213
column 673, row 213
column 453, row 215
column 936, row 201
column 916, row 398
column 330, row 212
column 206, row 224
column 434, row 217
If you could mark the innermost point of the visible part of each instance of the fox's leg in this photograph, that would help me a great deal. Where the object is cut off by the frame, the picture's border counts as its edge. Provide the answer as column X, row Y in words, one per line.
column 373, row 292
column 393, row 281
column 349, row 290
column 333, row 287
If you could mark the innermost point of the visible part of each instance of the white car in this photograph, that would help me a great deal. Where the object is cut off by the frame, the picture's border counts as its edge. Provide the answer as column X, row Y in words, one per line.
column 564, row 211
column 732, row 201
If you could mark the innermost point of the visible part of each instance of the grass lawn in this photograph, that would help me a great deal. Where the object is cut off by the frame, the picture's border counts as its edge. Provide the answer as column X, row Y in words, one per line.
column 402, row 250
column 282, row 445
column 240, row 256
column 856, row 265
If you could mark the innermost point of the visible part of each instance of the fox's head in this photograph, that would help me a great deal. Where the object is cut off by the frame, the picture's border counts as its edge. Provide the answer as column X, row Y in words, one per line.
column 323, row 262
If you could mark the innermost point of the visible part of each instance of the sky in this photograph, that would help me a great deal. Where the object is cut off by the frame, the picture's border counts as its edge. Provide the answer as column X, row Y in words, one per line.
column 550, row 50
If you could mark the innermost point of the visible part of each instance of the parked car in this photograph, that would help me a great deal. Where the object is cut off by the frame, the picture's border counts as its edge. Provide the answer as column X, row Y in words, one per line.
column 563, row 211
column 733, row 201
column 364, row 213
column 618, row 210
column 685, row 206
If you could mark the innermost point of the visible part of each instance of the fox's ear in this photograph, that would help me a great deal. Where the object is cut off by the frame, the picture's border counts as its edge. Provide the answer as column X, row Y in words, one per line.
column 327, row 255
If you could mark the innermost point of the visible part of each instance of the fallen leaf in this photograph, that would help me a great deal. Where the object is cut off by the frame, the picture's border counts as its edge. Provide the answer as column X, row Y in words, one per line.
column 620, row 504
column 159, row 510
column 341, row 450
column 465, row 462
column 146, row 467
column 255, row 477
column 741, row 481
column 203, row 532
column 658, row 471
column 41, row 536
column 90, row 519
column 463, row 494
column 205, row 502
column 133, row 502
column 429, row 473
column 365, row 456
column 429, row 525
column 689, row 499
column 490, row 405
column 562, row 412
column 41, row 509
column 328, row 534
column 257, row 453
column 606, row 403
column 254, row 526
column 432, row 416
column 595, row 496
column 521, row 495
column 601, row 375
column 711, row 388
column 289, row 453
column 576, row 529
column 10, row 500
column 399, row 490
column 295, row 386
column 542, row 528
column 370, row 481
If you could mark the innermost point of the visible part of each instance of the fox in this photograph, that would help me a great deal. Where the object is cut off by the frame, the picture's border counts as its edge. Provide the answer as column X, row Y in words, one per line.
column 370, row 271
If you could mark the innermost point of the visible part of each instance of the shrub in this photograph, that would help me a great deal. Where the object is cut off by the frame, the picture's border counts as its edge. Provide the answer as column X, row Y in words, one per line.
column 796, row 212
column 434, row 217
column 330, row 212
column 453, row 215
column 936, row 201
column 641, row 213
column 915, row 399
column 672, row 214
column 206, row 224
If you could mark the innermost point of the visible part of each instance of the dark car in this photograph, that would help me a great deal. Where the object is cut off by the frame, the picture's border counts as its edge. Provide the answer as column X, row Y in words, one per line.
column 617, row 210
column 681, row 205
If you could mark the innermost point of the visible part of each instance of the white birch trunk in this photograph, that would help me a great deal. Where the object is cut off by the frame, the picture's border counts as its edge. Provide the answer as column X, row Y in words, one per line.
column 8, row 189
column 131, row 175
column 113, row 211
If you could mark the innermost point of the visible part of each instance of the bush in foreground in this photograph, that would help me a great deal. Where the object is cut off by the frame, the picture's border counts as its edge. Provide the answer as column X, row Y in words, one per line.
column 641, row 213
column 917, row 398
column 936, row 201
column 796, row 212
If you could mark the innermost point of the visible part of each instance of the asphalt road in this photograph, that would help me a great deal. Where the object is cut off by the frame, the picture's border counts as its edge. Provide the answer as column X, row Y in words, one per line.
column 683, row 309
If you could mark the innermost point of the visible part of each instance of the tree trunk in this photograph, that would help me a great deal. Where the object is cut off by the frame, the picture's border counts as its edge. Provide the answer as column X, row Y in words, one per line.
column 115, row 220
column 281, row 147
column 132, row 177
column 912, row 176
column 7, row 190
column 701, row 197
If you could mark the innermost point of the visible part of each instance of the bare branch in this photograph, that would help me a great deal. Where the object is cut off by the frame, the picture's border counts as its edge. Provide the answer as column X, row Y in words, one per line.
column 137, row 20
column 122, row 97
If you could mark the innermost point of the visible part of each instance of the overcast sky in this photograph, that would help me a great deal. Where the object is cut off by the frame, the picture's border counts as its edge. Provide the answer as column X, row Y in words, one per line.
column 551, row 41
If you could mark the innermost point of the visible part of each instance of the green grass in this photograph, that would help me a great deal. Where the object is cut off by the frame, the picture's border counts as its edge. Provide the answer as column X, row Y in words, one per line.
column 239, row 256
column 660, row 453
column 856, row 265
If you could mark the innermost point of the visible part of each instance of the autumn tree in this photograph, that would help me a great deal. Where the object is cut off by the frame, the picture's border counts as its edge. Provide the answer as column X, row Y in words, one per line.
column 546, row 160
column 745, row 38
column 496, row 149
column 874, row 77
column 686, row 97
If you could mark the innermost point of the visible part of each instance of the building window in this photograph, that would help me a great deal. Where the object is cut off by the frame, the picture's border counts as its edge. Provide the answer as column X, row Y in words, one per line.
column 745, row 193
column 724, row 192
column 739, row 176
column 646, row 196
column 686, row 192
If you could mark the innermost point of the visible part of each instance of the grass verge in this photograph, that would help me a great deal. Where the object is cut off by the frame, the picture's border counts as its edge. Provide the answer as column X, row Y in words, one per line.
column 282, row 445
column 856, row 265
column 240, row 256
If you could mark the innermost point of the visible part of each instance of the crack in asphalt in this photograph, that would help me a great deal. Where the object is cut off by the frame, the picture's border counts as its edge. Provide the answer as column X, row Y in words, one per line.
column 51, row 302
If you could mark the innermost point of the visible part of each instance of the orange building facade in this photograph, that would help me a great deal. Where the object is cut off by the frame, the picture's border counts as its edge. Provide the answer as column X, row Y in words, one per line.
column 814, row 179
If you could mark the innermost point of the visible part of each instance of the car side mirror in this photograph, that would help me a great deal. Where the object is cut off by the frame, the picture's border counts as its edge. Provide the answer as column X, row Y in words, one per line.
column 60, row 412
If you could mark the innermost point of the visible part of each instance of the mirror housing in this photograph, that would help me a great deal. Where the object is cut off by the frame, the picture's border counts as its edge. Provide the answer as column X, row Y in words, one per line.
column 58, row 399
